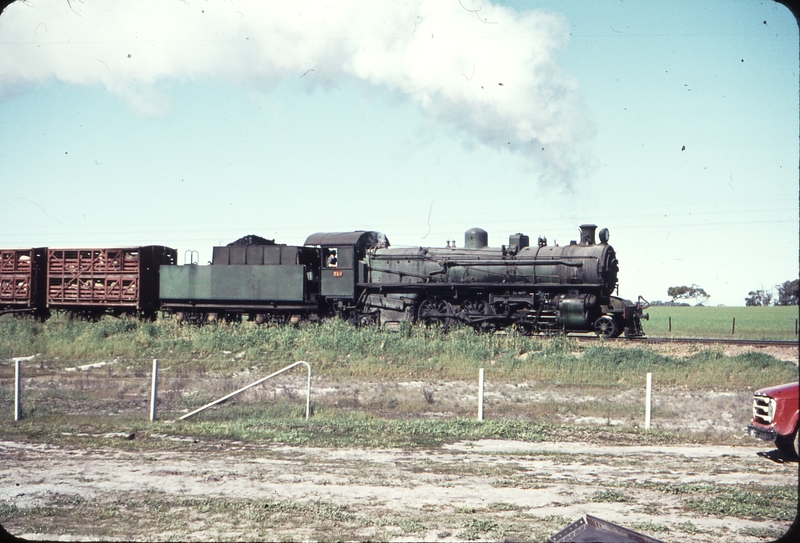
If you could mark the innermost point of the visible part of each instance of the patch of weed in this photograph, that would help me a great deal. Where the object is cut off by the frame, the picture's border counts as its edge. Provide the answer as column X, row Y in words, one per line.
column 611, row 496
column 754, row 502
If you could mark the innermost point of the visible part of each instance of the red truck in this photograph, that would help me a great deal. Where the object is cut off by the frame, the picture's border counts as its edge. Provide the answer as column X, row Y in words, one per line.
column 775, row 411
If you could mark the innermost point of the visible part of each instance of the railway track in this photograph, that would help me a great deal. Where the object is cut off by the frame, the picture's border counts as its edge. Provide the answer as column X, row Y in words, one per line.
column 723, row 341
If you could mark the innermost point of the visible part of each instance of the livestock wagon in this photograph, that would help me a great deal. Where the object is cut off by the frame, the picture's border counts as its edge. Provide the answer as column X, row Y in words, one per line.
column 117, row 281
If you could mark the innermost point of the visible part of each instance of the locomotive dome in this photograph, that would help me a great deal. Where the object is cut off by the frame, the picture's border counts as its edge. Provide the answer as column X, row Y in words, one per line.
column 476, row 238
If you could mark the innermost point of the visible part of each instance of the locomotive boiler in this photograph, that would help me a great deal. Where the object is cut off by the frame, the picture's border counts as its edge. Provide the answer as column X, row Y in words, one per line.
column 541, row 288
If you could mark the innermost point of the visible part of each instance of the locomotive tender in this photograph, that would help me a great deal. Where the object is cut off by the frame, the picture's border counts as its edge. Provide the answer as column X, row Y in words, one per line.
column 357, row 276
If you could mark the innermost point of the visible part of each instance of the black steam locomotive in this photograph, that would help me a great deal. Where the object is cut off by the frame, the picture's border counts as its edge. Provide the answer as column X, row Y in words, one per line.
column 355, row 276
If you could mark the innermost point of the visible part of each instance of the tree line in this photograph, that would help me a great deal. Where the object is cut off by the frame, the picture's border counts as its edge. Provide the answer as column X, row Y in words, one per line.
column 788, row 294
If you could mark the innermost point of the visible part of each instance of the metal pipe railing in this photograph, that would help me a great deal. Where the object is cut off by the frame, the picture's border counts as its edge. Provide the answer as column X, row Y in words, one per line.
column 251, row 385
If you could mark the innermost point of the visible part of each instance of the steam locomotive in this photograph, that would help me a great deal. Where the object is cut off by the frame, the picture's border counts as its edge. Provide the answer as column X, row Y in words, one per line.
column 356, row 276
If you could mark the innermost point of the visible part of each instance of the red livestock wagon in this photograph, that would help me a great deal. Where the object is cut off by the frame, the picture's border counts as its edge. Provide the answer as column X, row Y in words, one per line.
column 94, row 281
column 22, row 278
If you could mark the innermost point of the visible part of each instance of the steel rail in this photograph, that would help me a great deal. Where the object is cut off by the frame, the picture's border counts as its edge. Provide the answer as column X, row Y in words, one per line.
column 705, row 340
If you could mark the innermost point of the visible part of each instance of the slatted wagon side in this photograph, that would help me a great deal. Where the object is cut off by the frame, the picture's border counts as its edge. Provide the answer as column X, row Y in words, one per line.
column 107, row 280
column 22, row 277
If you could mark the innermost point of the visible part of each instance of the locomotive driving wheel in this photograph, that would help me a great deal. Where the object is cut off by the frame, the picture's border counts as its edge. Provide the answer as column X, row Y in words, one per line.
column 605, row 327
column 475, row 312
column 435, row 313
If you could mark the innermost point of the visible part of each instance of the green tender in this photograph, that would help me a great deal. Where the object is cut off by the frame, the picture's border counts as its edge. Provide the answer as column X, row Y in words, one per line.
column 246, row 283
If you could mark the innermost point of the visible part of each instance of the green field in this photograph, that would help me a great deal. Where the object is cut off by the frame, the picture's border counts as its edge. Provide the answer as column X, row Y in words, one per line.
column 718, row 322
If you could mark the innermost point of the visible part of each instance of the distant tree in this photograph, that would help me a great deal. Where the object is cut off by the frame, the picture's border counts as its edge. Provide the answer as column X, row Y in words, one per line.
column 693, row 292
column 758, row 297
column 788, row 293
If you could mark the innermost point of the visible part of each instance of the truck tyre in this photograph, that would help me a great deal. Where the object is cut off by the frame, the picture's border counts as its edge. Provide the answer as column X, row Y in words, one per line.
column 788, row 445
column 796, row 443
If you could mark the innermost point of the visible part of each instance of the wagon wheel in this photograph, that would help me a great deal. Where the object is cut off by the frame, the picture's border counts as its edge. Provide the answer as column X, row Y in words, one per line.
column 435, row 313
column 605, row 327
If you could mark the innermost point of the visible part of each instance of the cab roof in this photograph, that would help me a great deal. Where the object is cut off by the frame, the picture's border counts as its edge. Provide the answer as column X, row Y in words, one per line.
column 362, row 238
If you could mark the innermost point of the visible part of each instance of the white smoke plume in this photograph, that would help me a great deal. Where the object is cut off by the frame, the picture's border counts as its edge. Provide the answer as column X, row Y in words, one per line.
column 487, row 70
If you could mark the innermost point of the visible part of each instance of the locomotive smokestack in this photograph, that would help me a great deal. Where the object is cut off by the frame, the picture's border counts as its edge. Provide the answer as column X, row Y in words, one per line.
column 587, row 234
column 476, row 238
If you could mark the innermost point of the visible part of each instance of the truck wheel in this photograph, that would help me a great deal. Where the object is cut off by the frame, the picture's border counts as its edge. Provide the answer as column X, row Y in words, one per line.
column 796, row 443
column 605, row 327
column 788, row 445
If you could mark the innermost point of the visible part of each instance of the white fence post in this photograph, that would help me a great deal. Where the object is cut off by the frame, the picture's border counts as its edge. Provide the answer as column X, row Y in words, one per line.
column 480, row 395
column 17, row 399
column 647, row 401
column 153, row 393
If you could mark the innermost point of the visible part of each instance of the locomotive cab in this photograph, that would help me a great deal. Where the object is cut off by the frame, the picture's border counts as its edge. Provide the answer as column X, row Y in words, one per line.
column 341, row 271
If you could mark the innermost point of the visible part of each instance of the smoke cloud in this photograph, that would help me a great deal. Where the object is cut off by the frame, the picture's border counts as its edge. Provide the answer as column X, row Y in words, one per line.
column 488, row 71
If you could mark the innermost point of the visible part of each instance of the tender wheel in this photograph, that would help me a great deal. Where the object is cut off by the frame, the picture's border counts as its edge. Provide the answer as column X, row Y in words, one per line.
column 435, row 313
column 606, row 327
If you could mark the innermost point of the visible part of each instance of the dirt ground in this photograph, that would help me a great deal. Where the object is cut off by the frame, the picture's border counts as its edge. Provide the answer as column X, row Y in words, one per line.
column 781, row 352
column 486, row 490
column 503, row 481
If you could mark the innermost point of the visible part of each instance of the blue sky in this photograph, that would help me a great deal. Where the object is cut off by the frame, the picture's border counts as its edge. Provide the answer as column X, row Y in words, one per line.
column 192, row 123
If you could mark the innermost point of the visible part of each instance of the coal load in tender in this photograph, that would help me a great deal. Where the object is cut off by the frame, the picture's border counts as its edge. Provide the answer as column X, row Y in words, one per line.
column 252, row 239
